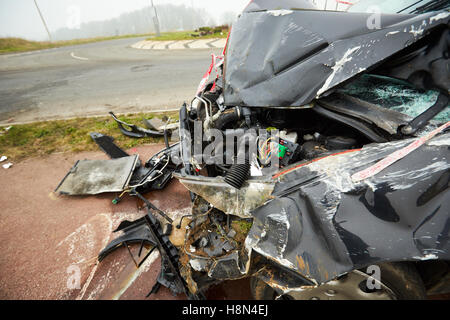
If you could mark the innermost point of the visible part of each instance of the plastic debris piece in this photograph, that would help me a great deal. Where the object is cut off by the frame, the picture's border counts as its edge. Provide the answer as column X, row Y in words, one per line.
column 5, row 130
column 3, row 158
column 7, row 165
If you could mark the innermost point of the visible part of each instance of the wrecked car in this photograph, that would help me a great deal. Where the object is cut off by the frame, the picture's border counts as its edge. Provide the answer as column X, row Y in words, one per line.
column 363, row 173
column 317, row 158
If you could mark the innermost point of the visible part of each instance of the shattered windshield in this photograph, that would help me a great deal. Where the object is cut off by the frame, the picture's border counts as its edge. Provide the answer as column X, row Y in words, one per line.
column 394, row 94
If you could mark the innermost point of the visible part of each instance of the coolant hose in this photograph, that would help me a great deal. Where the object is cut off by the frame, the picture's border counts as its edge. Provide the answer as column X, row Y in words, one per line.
column 228, row 116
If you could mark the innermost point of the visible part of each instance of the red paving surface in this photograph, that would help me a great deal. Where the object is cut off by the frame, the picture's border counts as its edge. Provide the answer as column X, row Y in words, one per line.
column 44, row 234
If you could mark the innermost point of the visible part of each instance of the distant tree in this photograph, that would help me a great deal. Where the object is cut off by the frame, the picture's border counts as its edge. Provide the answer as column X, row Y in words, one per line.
column 171, row 17
column 228, row 17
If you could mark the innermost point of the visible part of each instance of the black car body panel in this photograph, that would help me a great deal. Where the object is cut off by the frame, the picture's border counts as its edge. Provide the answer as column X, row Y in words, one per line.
column 323, row 225
column 288, row 57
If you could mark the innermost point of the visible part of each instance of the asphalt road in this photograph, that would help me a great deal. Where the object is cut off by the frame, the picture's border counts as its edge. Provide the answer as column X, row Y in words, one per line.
column 93, row 79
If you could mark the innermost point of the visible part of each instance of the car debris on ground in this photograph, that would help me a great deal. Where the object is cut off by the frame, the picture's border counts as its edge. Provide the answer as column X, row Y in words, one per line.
column 315, row 151
column 5, row 130
column 7, row 165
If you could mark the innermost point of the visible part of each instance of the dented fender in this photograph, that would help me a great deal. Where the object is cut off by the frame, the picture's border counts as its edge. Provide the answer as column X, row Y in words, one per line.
column 321, row 224
column 270, row 50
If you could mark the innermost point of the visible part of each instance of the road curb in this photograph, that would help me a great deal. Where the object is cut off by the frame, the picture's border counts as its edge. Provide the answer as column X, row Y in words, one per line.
column 7, row 124
column 218, row 43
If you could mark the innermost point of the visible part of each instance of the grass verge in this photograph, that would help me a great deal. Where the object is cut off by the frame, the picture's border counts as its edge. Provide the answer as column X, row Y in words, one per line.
column 186, row 35
column 43, row 138
column 11, row 45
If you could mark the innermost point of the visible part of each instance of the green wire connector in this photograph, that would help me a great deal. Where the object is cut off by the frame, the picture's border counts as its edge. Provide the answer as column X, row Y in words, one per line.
column 281, row 151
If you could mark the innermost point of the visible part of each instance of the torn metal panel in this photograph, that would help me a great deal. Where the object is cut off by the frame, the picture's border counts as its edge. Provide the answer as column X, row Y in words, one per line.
column 386, row 119
column 280, row 278
column 271, row 229
column 365, row 128
column 227, row 198
column 397, row 155
column 227, row 267
column 214, row 249
column 340, row 289
column 268, row 53
column 425, row 63
column 346, row 225
column 98, row 176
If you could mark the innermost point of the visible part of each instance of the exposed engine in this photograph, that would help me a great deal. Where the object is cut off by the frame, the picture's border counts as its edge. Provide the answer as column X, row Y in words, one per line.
column 213, row 248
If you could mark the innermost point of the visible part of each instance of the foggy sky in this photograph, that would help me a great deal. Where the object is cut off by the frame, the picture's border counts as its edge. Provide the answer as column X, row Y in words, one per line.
column 19, row 18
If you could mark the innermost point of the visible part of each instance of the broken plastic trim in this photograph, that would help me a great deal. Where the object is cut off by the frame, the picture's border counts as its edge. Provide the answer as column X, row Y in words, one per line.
column 134, row 232
column 106, row 143
column 148, row 230
column 169, row 257
column 239, row 202
column 135, row 131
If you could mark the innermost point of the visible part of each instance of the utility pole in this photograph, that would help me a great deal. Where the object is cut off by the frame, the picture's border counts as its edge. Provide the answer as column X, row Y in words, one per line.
column 43, row 21
column 155, row 20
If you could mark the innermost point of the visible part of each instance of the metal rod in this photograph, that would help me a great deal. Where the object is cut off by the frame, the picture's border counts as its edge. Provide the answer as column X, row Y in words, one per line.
column 43, row 21
column 146, row 256
column 129, row 251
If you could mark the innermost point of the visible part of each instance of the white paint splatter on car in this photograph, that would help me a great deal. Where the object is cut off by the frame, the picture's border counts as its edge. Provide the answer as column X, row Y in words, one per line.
column 278, row 13
column 337, row 68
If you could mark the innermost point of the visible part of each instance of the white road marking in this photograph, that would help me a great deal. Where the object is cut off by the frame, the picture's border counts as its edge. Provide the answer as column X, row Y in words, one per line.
column 76, row 57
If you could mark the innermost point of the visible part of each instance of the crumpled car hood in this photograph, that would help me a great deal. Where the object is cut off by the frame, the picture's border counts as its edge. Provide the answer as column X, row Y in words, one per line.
column 289, row 57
